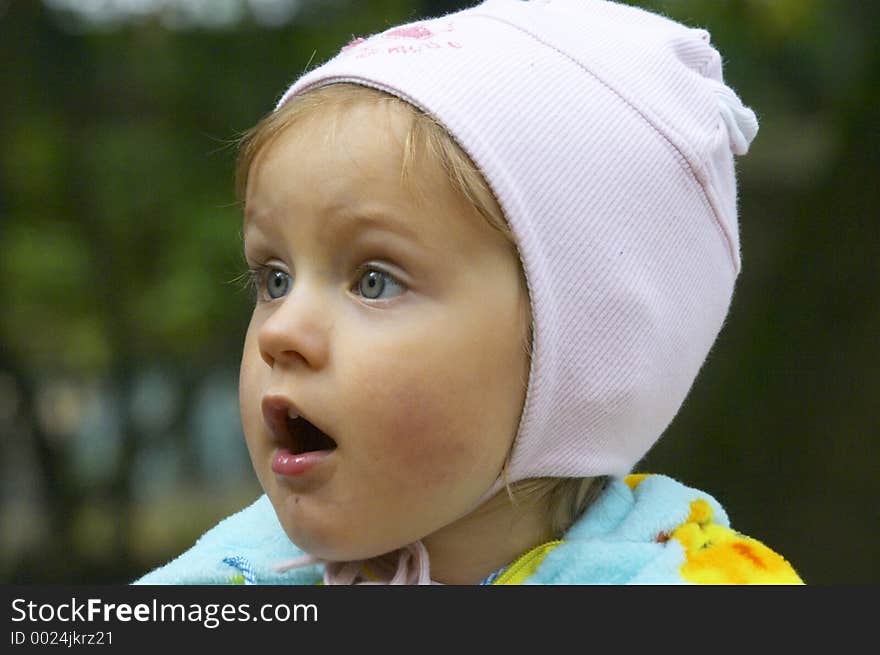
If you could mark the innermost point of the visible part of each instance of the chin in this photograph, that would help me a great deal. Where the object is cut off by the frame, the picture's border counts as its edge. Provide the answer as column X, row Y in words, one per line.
column 325, row 543
column 305, row 528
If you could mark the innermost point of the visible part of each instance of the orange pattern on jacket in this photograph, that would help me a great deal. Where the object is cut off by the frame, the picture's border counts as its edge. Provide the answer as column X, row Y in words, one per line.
column 715, row 554
column 718, row 555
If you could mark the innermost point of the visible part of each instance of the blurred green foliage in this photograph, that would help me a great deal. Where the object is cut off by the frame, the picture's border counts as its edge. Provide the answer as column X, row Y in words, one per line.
column 119, row 251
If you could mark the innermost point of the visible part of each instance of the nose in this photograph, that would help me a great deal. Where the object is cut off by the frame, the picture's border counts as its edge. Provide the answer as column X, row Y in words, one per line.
column 296, row 329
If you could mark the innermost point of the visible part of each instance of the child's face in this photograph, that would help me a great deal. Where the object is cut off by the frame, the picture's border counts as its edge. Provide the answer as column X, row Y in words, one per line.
column 395, row 326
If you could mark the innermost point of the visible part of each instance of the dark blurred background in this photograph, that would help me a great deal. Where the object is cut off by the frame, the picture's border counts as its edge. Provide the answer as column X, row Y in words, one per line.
column 122, row 319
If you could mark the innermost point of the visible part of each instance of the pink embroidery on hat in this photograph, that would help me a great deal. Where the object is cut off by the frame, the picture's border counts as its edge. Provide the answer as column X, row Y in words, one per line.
column 418, row 38
column 410, row 32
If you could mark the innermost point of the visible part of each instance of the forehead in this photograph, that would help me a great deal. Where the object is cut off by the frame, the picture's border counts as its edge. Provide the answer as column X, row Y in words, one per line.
column 348, row 161
column 364, row 140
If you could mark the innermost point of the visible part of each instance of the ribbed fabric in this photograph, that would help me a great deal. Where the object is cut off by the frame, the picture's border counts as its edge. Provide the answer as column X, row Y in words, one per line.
column 408, row 566
column 607, row 135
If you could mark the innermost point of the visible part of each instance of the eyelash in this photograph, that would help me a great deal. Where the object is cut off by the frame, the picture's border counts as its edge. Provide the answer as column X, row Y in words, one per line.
column 256, row 279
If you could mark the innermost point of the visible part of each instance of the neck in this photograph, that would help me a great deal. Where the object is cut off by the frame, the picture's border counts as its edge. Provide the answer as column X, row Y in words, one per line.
column 490, row 537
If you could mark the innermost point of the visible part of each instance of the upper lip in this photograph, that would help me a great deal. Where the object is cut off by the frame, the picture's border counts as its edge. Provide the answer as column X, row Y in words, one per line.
column 277, row 409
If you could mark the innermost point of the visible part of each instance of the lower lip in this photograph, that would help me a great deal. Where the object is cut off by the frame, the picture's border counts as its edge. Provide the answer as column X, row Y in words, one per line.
column 289, row 465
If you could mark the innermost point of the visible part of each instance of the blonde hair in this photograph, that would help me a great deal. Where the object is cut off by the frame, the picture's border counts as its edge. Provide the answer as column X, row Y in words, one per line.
column 567, row 498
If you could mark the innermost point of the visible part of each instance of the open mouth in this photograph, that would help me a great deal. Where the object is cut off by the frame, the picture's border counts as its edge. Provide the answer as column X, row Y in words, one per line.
column 305, row 437
column 292, row 430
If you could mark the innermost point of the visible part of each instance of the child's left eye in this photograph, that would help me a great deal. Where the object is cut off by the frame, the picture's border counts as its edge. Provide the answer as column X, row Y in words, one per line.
column 374, row 284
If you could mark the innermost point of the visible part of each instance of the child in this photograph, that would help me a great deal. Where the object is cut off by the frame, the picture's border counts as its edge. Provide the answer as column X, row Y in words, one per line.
column 490, row 252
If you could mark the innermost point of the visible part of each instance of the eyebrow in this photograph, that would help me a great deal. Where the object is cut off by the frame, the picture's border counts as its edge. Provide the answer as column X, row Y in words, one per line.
column 343, row 220
column 346, row 220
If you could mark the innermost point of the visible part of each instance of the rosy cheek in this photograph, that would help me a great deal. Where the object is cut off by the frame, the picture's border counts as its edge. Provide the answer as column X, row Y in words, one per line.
column 250, row 389
column 418, row 429
column 426, row 430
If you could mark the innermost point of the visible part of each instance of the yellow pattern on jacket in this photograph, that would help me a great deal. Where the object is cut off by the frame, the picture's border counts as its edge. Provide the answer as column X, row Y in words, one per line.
column 718, row 555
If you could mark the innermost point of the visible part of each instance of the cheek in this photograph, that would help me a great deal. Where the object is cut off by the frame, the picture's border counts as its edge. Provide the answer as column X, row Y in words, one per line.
column 250, row 383
column 408, row 413
column 427, row 430
column 441, row 413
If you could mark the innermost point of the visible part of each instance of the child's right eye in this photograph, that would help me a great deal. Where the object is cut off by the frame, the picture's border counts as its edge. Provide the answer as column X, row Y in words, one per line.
column 270, row 283
column 277, row 283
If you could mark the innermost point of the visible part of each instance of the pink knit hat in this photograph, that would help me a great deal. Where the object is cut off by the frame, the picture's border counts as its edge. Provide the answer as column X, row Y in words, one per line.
column 607, row 135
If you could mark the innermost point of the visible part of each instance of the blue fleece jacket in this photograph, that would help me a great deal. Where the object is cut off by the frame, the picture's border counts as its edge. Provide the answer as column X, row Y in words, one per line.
column 643, row 529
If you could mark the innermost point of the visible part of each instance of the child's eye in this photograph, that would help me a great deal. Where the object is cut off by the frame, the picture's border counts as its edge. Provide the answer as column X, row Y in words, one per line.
column 277, row 283
column 269, row 283
column 374, row 284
